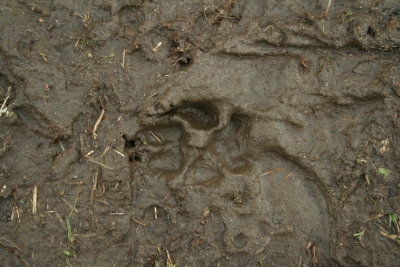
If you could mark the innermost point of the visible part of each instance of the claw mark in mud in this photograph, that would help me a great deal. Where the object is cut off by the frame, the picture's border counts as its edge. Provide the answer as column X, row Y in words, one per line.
column 224, row 173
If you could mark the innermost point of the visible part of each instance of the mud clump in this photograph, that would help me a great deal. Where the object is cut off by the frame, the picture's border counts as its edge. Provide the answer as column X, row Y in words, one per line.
column 199, row 133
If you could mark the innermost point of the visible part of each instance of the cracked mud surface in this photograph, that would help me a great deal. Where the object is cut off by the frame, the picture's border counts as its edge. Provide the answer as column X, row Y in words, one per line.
column 235, row 133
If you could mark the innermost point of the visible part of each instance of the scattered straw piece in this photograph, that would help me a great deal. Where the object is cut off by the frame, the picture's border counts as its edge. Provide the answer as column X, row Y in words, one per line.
column 169, row 260
column 89, row 153
column 34, row 200
column 395, row 237
column 272, row 171
column 99, row 163
column 136, row 221
column 72, row 207
column 327, row 8
column 105, row 151
column 97, row 124
column 379, row 215
column 123, row 60
column 7, row 243
column 314, row 259
column 95, row 177
column 155, row 49
column 3, row 108
column 156, row 137
column 117, row 213
column 119, row 153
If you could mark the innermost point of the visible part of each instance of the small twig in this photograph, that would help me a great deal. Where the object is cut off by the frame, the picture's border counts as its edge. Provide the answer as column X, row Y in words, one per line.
column 34, row 200
column 43, row 55
column 99, row 163
column 75, row 183
column 62, row 147
column 379, row 215
column 97, row 124
column 4, row 103
column 373, row 165
column 89, row 153
column 50, row 211
column 393, row 237
column 89, row 234
column 136, row 221
column 119, row 153
column 116, row 186
column 105, row 151
column 14, row 212
column 103, row 190
column 3, row 108
column 72, row 207
column 123, row 60
column 156, row 137
column 327, row 8
column 303, row 63
column 314, row 260
column 272, row 171
column 117, row 213
column 169, row 261
column 96, row 175
column 205, row 17
column 155, row 49
column 5, row 242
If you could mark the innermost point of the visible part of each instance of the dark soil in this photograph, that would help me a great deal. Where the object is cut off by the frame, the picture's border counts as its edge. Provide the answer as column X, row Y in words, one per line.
column 199, row 133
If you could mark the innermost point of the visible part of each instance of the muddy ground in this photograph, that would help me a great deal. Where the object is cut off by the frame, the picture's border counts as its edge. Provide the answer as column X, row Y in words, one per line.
column 199, row 133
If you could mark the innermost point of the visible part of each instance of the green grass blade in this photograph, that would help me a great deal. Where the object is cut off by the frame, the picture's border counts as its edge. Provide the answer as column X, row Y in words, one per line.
column 69, row 229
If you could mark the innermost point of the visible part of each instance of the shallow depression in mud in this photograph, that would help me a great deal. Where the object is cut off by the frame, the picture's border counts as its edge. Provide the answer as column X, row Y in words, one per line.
column 228, row 174
column 201, row 115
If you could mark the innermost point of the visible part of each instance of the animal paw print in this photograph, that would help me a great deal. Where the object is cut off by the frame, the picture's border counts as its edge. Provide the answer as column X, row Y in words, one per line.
column 210, row 154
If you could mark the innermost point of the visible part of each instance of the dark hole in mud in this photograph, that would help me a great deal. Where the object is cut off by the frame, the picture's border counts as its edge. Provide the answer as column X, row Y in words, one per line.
column 181, row 48
column 371, row 32
column 134, row 157
column 200, row 115
column 185, row 61
column 307, row 20
column 131, row 143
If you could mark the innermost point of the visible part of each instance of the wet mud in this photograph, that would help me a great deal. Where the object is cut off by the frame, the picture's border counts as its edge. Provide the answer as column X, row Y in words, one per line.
column 199, row 133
